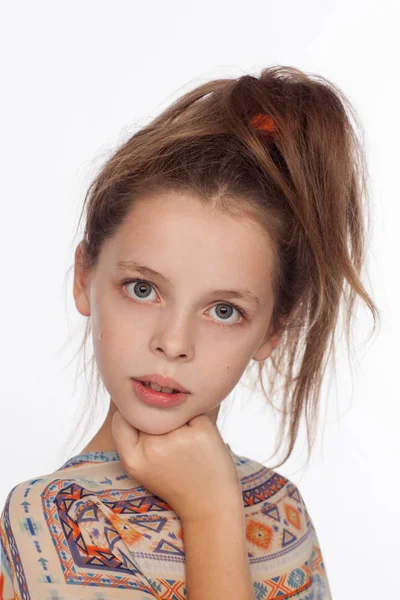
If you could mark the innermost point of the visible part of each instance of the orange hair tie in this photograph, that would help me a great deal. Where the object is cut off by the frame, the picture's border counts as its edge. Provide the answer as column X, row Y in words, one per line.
column 263, row 122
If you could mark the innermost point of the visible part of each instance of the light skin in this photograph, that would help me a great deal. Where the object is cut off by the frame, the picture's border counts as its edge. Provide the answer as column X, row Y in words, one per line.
column 176, row 329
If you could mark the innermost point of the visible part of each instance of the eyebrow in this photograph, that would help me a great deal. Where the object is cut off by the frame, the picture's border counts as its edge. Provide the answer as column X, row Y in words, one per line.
column 133, row 265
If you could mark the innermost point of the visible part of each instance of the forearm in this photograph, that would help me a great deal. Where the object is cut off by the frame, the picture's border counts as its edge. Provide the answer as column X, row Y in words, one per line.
column 217, row 566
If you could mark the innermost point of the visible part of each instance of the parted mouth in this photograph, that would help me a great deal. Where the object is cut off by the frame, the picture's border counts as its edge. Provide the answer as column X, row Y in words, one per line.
column 163, row 382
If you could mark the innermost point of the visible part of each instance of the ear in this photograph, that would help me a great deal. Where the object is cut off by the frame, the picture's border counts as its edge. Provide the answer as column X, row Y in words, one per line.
column 81, row 283
column 268, row 346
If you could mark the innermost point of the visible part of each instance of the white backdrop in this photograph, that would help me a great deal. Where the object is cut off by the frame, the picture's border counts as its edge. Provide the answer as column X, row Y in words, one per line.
column 75, row 78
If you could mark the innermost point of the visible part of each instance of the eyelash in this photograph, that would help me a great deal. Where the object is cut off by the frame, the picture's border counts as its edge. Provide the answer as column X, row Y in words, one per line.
column 240, row 310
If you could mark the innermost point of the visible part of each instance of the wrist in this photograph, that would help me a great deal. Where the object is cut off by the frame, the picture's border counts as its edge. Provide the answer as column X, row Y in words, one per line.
column 230, row 509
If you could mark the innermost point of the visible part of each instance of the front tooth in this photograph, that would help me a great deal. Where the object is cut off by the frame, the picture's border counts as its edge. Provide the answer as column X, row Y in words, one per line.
column 157, row 388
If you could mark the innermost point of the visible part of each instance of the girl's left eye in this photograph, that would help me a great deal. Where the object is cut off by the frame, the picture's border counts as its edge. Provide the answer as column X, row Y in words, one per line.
column 242, row 313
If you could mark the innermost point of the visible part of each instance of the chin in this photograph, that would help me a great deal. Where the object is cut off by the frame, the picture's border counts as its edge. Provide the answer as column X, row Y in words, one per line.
column 158, row 428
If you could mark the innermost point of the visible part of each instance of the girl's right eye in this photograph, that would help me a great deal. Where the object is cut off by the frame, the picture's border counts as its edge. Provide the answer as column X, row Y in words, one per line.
column 138, row 287
column 143, row 283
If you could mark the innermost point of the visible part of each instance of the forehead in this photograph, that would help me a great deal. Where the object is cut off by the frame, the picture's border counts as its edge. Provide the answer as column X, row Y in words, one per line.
column 174, row 230
column 182, row 215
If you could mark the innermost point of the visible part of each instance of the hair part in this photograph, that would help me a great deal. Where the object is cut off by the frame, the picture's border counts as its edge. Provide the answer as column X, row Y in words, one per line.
column 304, row 180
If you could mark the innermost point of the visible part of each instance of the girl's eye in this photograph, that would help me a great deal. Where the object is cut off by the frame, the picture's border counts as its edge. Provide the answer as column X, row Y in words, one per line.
column 142, row 291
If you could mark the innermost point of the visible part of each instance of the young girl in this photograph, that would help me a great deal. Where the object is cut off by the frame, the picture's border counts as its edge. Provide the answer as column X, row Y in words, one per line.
column 228, row 230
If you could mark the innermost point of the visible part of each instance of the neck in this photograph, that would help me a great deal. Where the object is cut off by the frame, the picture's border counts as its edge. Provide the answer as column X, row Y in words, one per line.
column 103, row 440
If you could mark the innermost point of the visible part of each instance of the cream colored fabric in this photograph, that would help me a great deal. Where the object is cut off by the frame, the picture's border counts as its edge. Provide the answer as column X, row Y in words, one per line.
column 88, row 531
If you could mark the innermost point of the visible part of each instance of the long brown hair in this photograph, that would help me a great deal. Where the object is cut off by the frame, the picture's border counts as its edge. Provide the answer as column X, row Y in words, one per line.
column 285, row 148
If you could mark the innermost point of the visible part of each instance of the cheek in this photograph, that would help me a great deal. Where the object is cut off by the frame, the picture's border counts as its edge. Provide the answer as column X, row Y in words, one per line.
column 223, row 376
column 116, row 351
column 115, row 327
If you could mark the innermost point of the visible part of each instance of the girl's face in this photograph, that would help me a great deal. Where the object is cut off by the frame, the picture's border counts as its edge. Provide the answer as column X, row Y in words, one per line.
column 178, row 326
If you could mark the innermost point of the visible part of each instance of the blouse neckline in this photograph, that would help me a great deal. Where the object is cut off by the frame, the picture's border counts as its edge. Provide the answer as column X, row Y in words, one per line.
column 100, row 456
column 91, row 457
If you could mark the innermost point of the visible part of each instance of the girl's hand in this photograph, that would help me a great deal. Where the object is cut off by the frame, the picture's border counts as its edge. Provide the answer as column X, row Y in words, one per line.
column 190, row 468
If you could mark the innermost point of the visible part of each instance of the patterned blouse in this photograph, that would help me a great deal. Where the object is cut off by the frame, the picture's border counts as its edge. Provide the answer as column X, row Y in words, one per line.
column 88, row 531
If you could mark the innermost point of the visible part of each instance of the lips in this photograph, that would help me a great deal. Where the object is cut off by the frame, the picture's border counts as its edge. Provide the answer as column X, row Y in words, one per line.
column 163, row 382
